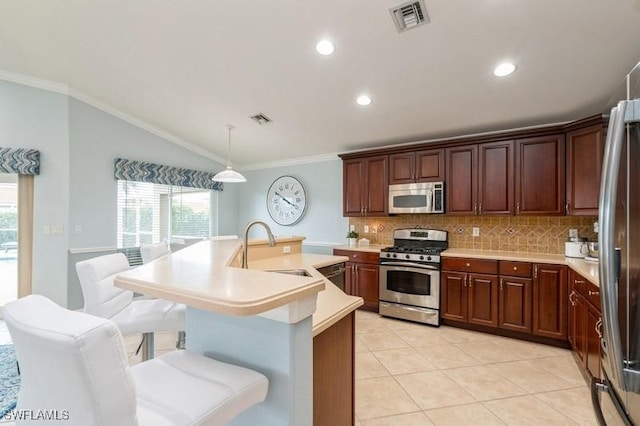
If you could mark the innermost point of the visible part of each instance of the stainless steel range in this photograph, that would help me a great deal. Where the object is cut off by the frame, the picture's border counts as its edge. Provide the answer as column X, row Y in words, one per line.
column 410, row 275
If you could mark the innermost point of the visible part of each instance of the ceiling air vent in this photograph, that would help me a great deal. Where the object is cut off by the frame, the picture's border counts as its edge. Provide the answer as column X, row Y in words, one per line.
column 261, row 119
column 409, row 15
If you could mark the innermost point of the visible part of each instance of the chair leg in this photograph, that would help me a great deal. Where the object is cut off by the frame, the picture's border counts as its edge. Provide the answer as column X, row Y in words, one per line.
column 147, row 348
column 182, row 337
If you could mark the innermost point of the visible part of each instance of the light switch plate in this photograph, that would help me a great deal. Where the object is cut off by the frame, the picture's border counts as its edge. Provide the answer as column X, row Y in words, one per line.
column 475, row 231
column 352, row 227
column 366, row 229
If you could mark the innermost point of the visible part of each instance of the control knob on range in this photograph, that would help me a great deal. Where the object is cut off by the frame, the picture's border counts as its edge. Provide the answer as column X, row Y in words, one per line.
column 428, row 257
column 395, row 255
column 421, row 257
column 408, row 256
column 388, row 254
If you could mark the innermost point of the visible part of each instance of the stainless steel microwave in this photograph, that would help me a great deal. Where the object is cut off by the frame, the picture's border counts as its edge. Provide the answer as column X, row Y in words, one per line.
column 423, row 197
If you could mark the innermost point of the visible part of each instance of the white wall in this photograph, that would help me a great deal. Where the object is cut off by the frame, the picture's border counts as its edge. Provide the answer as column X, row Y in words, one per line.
column 322, row 223
column 33, row 118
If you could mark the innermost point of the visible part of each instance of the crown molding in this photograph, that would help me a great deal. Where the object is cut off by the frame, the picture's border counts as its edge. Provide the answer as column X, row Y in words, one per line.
column 38, row 83
column 290, row 162
column 52, row 86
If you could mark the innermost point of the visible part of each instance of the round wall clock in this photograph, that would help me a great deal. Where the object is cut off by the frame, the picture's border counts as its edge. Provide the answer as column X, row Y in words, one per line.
column 286, row 200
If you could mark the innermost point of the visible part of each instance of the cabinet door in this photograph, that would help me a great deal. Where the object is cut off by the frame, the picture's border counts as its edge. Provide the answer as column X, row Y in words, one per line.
column 376, row 186
column 349, row 278
column 353, row 187
column 483, row 300
column 453, row 295
column 495, row 178
column 367, row 285
column 578, row 325
column 585, row 150
column 461, row 184
column 515, row 304
column 539, row 169
column 592, row 341
column 429, row 165
column 401, row 168
column 550, row 300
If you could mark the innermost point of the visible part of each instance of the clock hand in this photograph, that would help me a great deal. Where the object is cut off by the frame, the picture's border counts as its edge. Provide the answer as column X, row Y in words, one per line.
column 287, row 201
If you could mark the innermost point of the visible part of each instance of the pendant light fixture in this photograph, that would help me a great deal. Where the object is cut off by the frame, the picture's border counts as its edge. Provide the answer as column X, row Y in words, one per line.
column 229, row 175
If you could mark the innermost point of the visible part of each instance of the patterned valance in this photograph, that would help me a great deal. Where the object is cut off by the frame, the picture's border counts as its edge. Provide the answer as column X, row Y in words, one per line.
column 18, row 160
column 140, row 171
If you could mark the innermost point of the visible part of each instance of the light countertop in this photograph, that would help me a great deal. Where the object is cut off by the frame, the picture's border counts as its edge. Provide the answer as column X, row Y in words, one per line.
column 333, row 303
column 586, row 268
column 200, row 276
column 373, row 248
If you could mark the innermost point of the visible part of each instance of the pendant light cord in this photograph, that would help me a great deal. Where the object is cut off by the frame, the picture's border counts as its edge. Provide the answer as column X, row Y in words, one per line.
column 229, row 127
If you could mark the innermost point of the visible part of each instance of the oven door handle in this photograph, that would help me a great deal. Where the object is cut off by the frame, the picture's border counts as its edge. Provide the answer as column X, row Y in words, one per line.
column 410, row 265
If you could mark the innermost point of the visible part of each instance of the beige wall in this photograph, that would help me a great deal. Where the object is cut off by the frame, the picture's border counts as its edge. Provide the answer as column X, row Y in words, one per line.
column 509, row 233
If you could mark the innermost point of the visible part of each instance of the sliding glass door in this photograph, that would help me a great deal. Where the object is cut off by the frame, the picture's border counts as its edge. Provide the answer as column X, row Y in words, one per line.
column 8, row 237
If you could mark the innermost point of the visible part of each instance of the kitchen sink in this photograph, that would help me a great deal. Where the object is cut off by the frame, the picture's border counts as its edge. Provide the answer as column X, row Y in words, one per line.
column 299, row 272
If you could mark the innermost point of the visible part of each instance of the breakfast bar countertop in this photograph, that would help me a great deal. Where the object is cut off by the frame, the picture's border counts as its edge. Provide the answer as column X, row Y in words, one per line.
column 586, row 268
column 200, row 276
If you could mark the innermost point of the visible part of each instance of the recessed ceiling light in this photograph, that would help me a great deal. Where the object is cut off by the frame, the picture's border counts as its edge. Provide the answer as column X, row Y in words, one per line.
column 504, row 69
column 363, row 100
column 325, row 47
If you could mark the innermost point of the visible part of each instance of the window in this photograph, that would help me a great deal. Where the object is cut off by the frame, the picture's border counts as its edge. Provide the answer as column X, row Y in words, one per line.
column 151, row 213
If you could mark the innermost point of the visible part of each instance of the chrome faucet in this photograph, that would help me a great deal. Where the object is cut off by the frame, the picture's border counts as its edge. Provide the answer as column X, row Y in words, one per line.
column 272, row 240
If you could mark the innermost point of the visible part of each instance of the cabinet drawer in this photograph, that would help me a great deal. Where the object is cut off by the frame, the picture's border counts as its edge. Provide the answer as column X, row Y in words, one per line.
column 516, row 269
column 593, row 295
column 359, row 256
column 481, row 266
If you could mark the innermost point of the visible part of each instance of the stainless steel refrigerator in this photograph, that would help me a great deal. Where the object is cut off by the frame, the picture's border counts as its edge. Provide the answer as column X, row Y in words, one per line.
column 616, row 397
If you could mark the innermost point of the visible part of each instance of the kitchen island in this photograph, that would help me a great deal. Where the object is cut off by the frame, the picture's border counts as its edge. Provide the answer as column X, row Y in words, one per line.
column 270, row 322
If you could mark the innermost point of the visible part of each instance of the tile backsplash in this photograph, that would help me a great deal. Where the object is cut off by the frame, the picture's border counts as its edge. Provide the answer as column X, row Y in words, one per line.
column 545, row 234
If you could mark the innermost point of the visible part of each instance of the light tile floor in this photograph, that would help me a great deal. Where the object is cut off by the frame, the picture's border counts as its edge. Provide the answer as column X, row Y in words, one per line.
column 410, row 374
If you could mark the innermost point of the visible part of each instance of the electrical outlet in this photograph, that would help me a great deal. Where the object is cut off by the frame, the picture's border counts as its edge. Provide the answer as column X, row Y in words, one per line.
column 352, row 227
column 366, row 229
column 78, row 229
column 475, row 231
column 286, row 249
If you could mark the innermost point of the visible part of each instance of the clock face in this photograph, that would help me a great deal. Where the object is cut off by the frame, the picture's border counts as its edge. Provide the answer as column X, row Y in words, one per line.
column 286, row 200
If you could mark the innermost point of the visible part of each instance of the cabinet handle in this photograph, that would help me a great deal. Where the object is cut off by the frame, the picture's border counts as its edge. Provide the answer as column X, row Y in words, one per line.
column 500, row 284
column 593, row 293
column 465, row 281
column 518, row 207
column 572, row 301
column 535, row 271
column 475, row 208
column 468, row 264
column 480, row 208
column 598, row 327
column 515, row 268
column 579, row 281
column 566, row 207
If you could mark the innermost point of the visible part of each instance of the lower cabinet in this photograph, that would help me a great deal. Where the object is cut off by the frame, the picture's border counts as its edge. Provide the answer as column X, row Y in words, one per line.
column 362, row 276
column 517, row 296
column 585, row 322
column 550, row 299
column 334, row 374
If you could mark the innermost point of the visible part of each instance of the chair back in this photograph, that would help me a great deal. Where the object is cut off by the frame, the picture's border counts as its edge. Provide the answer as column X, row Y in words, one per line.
column 70, row 361
column 153, row 251
column 101, row 297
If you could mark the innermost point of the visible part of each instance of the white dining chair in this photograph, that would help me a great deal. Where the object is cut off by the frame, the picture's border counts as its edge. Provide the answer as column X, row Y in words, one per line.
column 150, row 252
column 132, row 315
column 76, row 364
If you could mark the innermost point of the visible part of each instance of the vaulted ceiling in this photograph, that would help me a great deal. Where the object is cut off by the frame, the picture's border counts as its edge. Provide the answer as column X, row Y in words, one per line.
column 191, row 67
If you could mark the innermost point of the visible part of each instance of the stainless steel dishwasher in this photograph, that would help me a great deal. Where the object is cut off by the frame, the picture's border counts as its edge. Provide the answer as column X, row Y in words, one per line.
column 334, row 273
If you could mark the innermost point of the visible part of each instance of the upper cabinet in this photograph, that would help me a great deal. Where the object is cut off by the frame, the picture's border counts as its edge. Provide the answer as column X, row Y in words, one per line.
column 585, row 150
column 365, row 186
column 539, row 169
column 480, row 179
column 420, row 166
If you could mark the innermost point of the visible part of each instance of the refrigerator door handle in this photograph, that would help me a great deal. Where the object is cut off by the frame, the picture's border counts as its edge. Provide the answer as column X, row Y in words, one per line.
column 597, row 386
column 608, row 278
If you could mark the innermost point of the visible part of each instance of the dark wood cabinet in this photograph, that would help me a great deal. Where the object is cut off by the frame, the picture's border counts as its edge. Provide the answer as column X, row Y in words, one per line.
column 469, row 291
column 480, row 179
column 461, row 182
column 362, row 276
column 483, row 300
column 585, row 151
column 540, row 176
column 453, row 295
column 515, row 303
column 365, row 186
column 496, row 178
column 419, row 166
column 550, row 300
column 585, row 322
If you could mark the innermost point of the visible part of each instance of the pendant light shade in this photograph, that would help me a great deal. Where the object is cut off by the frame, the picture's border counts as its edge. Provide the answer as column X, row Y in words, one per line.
column 229, row 175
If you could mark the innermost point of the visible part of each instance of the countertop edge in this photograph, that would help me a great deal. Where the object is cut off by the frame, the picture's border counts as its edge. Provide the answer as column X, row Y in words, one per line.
column 333, row 319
